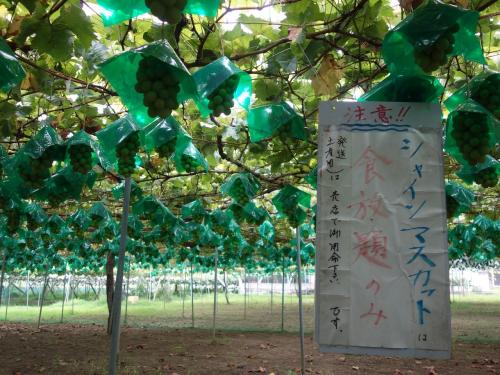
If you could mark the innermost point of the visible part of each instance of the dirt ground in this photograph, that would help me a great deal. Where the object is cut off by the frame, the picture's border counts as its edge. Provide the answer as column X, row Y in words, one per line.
column 83, row 350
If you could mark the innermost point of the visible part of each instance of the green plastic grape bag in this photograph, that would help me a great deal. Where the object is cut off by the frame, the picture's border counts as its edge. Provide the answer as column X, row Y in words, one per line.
column 194, row 210
column 220, row 84
column 266, row 231
column 267, row 120
column 483, row 88
column 255, row 215
column 485, row 174
column 156, row 83
column 11, row 70
column 242, row 187
column 470, row 134
column 79, row 221
column 431, row 34
column 55, row 224
column 312, row 178
column 405, row 88
column 120, row 144
column 163, row 136
column 188, row 158
column 35, row 216
column 290, row 203
column 458, row 199
column 116, row 11
column 84, row 151
column 220, row 221
column 98, row 213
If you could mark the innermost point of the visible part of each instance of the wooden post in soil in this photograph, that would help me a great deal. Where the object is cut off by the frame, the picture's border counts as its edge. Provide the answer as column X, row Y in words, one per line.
column 117, row 296
column 301, row 311
column 215, row 292
column 192, row 296
column 64, row 297
column 42, row 297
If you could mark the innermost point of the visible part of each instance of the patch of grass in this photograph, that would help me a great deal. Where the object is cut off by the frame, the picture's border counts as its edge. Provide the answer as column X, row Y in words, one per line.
column 474, row 318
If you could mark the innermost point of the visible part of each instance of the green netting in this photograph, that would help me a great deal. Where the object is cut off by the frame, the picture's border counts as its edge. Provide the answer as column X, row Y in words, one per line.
column 484, row 174
column 188, row 158
column 312, row 177
column 11, row 71
column 84, row 151
column 483, row 89
column 163, row 136
column 220, row 84
column 470, row 134
column 116, row 11
column 127, row 65
column 290, row 203
column 458, row 199
column 242, row 187
column 46, row 144
column 405, row 88
column 194, row 210
column 432, row 33
column 267, row 120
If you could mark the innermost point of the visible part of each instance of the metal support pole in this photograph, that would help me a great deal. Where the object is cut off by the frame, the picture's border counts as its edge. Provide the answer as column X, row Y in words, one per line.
column 27, row 290
column 301, row 311
column 126, row 297
column 4, row 264
column 117, row 296
column 272, row 291
column 9, row 287
column 183, row 290
column 283, row 295
column 245, row 293
column 192, row 297
column 215, row 291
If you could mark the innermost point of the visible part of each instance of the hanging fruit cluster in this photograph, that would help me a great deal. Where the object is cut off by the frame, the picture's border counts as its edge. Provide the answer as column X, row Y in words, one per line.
column 159, row 85
column 238, row 193
column 34, row 171
column 81, row 158
column 125, row 153
column 190, row 163
column 221, row 100
column 487, row 94
column 13, row 220
column 167, row 149
column 452, row 206
column 167, row 10
column 431, row 56
column 470, row 131
column 292, row 212
column 487, row 177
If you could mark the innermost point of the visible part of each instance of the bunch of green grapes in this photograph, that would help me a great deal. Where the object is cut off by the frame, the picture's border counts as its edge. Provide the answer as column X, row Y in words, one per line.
column 487, row 177
column 190, row 163
column 167, row 10
column 13, row 221
column 125, row 153
column 292, row 213
column 239, row 193
column 81, row 158
column 452, row 206
column 159, row 85
column 487, row 94
column 221, row 100
column 35, row 171
column 470, row 131
column 285, row 131
column 431, row 56
column 167, row 149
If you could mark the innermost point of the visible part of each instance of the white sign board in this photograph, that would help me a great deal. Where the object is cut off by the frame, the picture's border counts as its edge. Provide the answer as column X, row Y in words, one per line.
column 382, row 283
